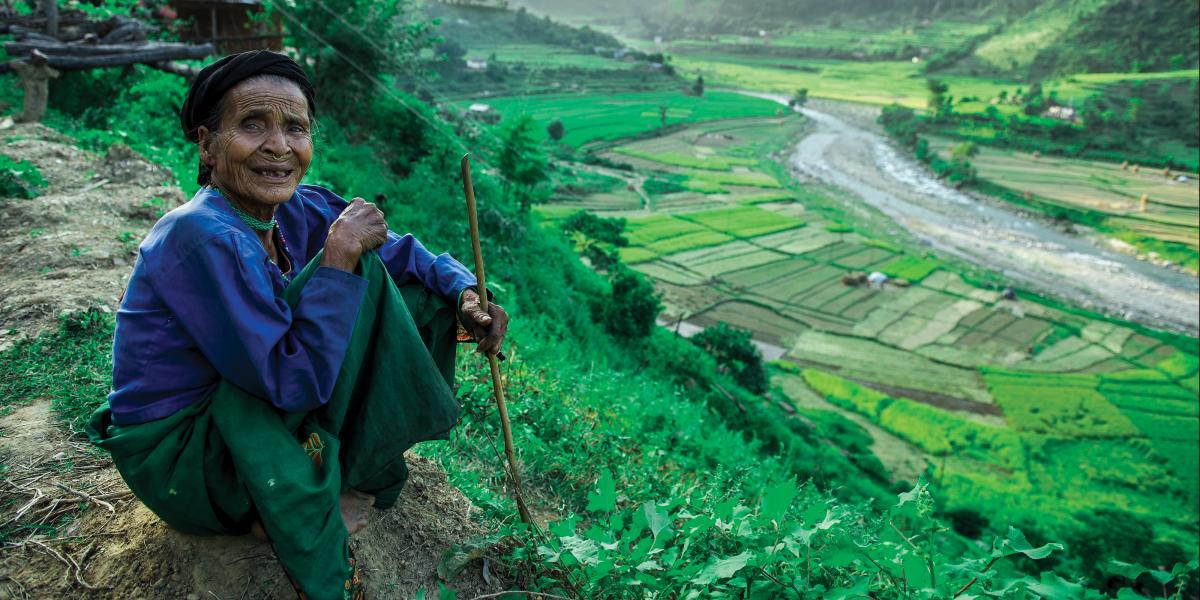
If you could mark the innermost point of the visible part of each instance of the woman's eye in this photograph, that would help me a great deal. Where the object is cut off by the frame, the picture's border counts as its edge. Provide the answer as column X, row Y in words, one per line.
column 251, row 125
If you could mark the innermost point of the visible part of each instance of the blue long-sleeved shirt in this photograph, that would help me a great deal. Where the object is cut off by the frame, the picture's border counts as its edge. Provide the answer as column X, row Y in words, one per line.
column 205, row 302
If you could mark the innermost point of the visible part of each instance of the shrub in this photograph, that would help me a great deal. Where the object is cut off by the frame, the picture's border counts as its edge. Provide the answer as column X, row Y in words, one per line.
column 735, row 354
column 597, row 228
column 19, row 179
column 556, row 130
column 632, row 307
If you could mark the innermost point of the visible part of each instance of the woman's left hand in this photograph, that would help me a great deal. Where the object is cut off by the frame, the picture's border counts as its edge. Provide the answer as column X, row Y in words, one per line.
column 490, row 327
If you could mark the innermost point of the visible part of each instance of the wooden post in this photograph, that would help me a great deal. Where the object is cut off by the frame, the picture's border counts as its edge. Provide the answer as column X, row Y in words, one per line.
column 497, row 387
column 51, row 9
column 35, row 74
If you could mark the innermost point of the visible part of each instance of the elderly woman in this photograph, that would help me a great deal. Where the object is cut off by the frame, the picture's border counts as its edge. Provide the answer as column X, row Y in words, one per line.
column 278, row 349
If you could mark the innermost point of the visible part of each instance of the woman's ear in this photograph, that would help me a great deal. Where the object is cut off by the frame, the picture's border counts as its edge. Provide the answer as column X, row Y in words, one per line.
column 204, row 141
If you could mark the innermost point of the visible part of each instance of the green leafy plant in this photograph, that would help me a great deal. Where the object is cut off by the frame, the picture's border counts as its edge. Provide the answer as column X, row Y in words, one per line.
column 20, row 179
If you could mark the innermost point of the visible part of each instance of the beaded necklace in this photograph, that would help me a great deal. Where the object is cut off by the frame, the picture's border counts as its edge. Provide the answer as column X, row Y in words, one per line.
column 253, row 222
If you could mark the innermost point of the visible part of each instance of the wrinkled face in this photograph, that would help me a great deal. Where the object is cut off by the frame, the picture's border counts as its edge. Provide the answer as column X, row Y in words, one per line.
column 263, row 144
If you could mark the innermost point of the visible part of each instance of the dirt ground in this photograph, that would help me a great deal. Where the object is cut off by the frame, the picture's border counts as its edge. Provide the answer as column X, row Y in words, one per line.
column 72, row 248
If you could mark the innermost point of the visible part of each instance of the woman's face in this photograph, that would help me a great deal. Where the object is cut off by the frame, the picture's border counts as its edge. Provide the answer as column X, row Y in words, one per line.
column 263, row 144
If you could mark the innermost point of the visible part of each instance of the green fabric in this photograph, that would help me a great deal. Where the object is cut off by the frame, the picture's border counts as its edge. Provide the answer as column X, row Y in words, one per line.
column 214, row 467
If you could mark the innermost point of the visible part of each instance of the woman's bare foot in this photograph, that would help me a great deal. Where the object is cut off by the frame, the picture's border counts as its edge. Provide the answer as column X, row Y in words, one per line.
column 356, row 507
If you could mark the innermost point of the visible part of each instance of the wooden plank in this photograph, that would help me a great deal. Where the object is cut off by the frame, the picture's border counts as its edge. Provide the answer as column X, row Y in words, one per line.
column 74, row 63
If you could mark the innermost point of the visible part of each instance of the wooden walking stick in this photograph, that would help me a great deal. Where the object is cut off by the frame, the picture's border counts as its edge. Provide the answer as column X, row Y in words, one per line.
column 497, row 387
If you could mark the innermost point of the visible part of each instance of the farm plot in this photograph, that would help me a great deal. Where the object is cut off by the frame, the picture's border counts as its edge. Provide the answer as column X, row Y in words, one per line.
column 865, row 259
column 931, row 429
column 594, row 117
column 669, row 272
column 766, row 323
column 663, row 235
column 543, row 55
column 1058, row 405
column 683, row 300
column 683, row 202
column 775, row 271
column 696, row 160
column 734, row 258
column 909, row 267
column 744, row 221
column 1172, row 211
column 619, row 200
column 902, row 460
column 800, row 241
column 867, row 360
column 1071, row 354
column 788, row 290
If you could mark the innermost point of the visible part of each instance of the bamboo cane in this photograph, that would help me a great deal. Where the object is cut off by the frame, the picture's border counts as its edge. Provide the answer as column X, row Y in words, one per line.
column 497, row 387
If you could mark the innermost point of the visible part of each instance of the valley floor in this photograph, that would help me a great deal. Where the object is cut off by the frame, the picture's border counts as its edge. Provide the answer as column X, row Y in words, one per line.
column 1007, row 403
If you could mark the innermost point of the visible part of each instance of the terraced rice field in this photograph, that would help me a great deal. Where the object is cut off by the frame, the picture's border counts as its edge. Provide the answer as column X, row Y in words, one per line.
column 597, row 117
column 1172, row 210
column 1011, row 402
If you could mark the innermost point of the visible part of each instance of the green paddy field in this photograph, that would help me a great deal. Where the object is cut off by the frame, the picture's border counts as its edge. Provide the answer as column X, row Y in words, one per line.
column 1014, row 407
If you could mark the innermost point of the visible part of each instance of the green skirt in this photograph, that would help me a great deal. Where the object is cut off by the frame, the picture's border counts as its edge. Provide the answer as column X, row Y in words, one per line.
column 220, row 464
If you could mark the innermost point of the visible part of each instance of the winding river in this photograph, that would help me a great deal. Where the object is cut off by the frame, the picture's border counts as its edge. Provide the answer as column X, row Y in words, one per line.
column 1033, row 254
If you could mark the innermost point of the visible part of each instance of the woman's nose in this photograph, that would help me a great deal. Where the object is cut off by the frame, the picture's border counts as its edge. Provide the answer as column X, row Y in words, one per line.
column 275, row 142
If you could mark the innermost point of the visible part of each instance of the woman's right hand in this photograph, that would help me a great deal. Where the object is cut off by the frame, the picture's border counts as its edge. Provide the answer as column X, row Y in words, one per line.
column 360, row 228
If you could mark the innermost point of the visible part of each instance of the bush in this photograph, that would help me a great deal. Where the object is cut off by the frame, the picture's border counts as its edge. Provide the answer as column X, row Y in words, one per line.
column 20, row 179
column 597, row 228
column 632, row 307
column 556, row 130
column 736, row 355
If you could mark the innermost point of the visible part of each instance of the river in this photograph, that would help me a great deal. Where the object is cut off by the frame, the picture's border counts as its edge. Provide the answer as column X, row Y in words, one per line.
column 1033, row 254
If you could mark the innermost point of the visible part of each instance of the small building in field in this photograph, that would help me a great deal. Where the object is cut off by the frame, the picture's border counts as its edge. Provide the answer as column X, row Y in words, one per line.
column 1062, row 113
column 231, row 25
column 483, row 112
column 476, row 64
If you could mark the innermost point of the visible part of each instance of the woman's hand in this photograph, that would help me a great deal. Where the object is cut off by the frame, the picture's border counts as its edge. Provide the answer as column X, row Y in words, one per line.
column 489, row 328
column 360, row 228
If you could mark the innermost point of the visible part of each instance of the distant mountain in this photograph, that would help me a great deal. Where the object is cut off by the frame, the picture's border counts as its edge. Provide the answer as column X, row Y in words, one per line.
column 1030, row 38
column 1126, row 35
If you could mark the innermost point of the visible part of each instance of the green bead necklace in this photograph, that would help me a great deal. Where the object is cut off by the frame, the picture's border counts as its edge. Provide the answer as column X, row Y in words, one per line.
column 254, row 223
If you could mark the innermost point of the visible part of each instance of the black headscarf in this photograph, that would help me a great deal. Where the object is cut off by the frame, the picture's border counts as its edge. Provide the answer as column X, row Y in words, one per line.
column 204, row 97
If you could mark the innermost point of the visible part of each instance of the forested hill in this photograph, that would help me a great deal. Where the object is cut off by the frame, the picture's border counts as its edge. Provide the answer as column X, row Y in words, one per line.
column 1026, row 38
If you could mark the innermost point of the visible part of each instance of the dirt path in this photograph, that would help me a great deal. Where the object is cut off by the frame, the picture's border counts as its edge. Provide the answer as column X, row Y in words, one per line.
column 1033, row 254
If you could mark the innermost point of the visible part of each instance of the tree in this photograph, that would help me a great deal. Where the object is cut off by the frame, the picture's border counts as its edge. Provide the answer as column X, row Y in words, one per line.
column 939, row 104
column 342, row 63
column 964, row 151
column 633, row 306
column 698, row 86
column 603, row 229
column 735, row 354
column 521, row 162
column 799, row 99
column 556, row 130
column 451, row 55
